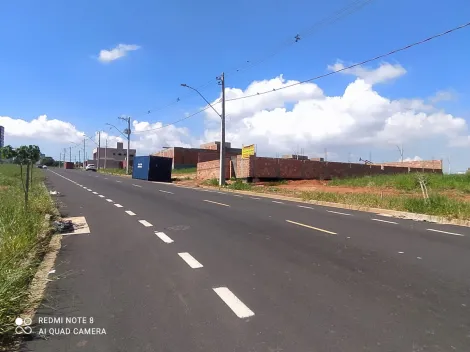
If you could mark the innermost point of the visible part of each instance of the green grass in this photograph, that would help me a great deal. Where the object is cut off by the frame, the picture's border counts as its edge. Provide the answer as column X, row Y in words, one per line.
column 113, row 171
column 211, row 182
column 240, row 186
column 21, row 243
column 409, row 182
column 189, row 170
column 436, row 205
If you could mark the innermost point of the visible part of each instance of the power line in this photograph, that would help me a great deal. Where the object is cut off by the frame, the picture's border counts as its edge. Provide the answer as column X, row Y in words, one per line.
column 409, row 46
column 345, row 11
column 174, row 122
column 355, row 65
column 335, row 17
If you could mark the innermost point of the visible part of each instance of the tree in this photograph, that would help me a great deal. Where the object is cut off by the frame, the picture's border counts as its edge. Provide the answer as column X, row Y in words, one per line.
column 48, row 161
column 24, row 155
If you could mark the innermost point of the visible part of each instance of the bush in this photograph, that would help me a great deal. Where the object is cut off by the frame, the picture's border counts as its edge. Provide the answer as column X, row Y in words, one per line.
column 21, row 243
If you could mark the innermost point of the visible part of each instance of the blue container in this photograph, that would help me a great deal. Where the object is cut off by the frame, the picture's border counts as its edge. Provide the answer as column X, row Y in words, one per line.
column 152, row 168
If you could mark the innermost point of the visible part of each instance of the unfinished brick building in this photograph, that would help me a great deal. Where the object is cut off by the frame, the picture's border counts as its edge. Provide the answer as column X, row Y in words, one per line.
column 189, row 157
column 254, row 168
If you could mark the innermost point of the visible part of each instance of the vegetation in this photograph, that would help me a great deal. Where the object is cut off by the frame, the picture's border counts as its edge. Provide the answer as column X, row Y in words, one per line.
column 212, row 182
column 22, row 241
column 443, row 193
column 435, row 205
column 408, row 182
column 23, row 156
column 189, row 170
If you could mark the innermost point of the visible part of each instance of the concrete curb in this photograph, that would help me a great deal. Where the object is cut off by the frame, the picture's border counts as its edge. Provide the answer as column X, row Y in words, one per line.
column 378, row 211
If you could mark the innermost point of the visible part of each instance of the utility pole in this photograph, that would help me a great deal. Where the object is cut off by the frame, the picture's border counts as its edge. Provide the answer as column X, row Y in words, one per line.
column 99, row 147
column 60, row 160
column 221, row 80
column 84, row 153
column 105, row 153
column 128, row 133
column 70, row 154
column 79, row 158
column 65, row 155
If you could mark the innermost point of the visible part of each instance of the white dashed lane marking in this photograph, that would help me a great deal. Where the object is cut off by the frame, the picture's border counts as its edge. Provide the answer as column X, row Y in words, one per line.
column 337, row 212
column 166, row 191
column 448, row 233
column 109, row 200
column 254, row 198
column 131, row 213
column 237, row 306
column 210, row 201
column 118, row 205
column 388, row 222
column 163, row 237
column 189, row 259
column 100, row 195
column 145, row 223
column 275, row 201
column 303, row 206
column 118, row 181
column 136, row 185
column 95, row 192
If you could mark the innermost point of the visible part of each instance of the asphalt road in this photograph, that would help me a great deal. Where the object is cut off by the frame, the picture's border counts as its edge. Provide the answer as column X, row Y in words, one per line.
column 168, row 268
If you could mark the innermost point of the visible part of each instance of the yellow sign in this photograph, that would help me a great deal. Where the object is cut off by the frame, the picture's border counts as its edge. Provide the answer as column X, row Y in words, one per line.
column 248, row 150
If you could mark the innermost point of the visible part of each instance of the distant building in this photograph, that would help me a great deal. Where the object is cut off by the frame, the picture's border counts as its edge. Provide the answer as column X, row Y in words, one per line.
column 2, row 136
column 113, row 158
column 189, row 157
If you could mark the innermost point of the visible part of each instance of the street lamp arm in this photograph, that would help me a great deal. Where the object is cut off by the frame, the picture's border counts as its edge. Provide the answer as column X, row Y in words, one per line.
column 84, row 135
column 117, row 129
column 202, row 96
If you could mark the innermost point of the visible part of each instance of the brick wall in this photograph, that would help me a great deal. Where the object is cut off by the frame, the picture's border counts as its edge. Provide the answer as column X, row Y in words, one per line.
column 258, row 167
column 427, row 164
column 210, row 169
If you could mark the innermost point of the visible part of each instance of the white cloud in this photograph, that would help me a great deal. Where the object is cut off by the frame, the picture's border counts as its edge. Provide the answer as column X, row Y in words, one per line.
column 119, row 51
column 385, row 72
column 416, row 158
column 303, row 116
column 40, row 128
column 443, row 95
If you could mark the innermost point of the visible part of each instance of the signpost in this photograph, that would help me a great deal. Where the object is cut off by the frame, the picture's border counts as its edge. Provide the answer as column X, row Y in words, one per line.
column 248, row 150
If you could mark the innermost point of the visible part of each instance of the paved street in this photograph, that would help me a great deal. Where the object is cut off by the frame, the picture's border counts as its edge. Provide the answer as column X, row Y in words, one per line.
column 167, row 268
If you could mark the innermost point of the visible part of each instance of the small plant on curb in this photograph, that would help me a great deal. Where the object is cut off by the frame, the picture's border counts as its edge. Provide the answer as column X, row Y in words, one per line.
column 211, row 182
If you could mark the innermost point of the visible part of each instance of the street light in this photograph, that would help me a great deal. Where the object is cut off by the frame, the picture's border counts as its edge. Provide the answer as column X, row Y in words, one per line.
column 221, row 80
column 127, row 135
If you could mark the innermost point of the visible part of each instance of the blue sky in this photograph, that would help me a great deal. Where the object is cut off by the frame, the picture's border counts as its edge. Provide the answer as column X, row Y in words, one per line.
column 49, row 65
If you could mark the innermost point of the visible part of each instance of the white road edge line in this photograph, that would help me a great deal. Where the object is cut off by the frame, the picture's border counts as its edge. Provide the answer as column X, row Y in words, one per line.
column 166, row 191
column 236, row 195
column 118, row 181
column 189, row 259
column 145, row 223
column 449, row 233
column 337, row 212
column 131, row 213
column 118, row 205
column 275, row 201
column 303, row 206
column 254, row 198
column 388, row 222
column 163, row 237
column 136, row 185
column 237, row 306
